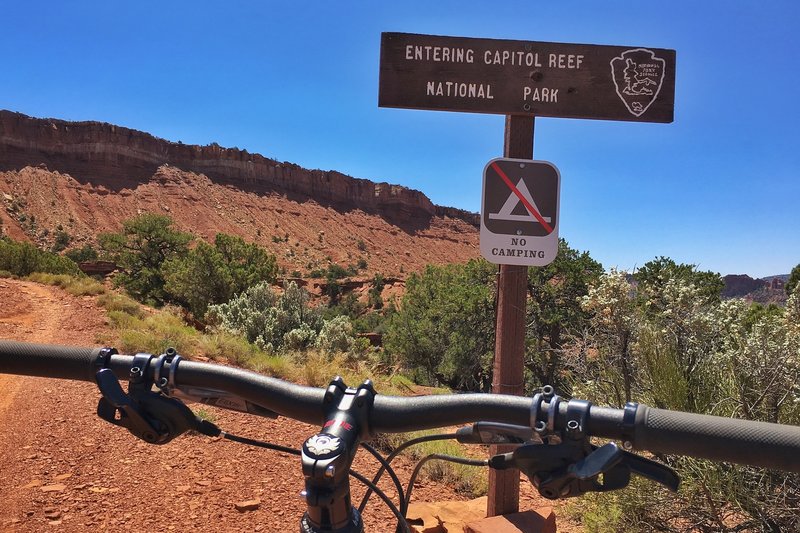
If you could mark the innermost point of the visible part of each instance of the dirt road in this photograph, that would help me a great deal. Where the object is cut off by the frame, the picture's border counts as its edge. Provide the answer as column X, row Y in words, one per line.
column 65, row 469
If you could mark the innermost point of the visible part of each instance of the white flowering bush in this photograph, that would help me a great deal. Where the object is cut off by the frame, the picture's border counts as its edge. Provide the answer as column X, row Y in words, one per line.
column 793, row 311
column 268, row 319
column 613, row 327
column 299, row 338
column 336, row 335
column 670, row 344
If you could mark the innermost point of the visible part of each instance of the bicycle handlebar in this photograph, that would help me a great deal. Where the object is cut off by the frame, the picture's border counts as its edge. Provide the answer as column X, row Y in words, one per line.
column 749, row 442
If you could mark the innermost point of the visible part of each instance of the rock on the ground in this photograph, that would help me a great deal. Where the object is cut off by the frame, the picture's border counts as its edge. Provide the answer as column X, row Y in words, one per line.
column 247, row 505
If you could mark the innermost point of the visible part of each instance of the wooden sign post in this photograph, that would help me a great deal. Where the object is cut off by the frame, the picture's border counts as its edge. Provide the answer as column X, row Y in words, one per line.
column 523, row 79
column 509, row 345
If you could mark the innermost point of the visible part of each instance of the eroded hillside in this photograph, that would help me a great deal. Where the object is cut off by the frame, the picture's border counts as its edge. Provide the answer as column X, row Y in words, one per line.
column 85, row 178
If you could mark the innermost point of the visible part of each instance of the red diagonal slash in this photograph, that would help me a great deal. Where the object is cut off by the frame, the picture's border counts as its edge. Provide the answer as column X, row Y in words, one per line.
column 522, row 199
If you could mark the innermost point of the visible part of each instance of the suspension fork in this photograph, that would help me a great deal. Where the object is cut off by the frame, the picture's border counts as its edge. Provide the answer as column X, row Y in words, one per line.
column 327, row 456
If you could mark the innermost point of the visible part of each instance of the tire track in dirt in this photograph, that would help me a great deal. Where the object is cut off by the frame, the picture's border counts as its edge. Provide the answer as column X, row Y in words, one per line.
column 33, row 313
column 43, row 314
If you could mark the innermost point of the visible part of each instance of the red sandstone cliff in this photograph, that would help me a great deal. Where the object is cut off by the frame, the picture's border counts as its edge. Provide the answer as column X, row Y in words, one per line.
column 85, row 178
column 115, row 156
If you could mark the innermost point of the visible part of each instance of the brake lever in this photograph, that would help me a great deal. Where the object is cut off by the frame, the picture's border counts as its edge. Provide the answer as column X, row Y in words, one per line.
column 119, row 409
column 605, row 459
column 150, row 416
column 599, row 461
column 652, row 470
column 570, row 469
column 584, row 475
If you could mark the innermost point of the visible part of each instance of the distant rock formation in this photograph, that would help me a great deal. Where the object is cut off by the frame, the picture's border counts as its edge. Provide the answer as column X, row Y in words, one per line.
column 764, row 290
column 118, row 157
column 738, row 285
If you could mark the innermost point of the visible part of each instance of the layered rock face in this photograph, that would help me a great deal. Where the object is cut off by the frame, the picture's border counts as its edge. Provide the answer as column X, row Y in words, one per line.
column 118, row 157
column 738, row 285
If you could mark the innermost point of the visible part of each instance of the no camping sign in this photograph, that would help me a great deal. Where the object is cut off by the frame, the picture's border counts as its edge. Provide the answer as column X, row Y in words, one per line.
column 519, row 212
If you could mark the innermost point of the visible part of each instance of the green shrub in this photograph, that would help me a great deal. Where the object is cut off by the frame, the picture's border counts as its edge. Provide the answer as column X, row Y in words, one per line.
column 61, row 241
column 211, row 275
column 299, row 338
column 156, row 333
column 273, row 365
column 23, row 259
column 144, row 244
column 333, row 289
column 337, row 271
column 86, row 253
column 223, row 346
column 554, row 313
column 444, row 330
column 672, row 343
column 794, row 279
column 359, row 349
column 122, row 320
column 375, row 291
column 137, row 332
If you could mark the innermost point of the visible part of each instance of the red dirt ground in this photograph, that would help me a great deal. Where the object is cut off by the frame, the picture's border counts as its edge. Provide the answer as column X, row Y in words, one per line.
column 64, row 469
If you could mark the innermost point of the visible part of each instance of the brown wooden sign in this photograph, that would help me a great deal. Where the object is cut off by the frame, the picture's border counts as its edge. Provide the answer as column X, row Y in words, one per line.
column 527, row 78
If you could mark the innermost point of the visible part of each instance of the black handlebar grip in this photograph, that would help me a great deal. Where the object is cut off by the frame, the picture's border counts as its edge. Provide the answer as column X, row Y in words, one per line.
column 720, row 439
column 48, row 361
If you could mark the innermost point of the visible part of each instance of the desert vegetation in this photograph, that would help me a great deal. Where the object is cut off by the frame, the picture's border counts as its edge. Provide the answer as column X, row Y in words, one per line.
column 662, row 336
column 23, row 259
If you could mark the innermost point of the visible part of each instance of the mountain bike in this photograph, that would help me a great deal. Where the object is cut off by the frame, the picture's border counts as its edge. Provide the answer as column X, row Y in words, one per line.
column 551, row 435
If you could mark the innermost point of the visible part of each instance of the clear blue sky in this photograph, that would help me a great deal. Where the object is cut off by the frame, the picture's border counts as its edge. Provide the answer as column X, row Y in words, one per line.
column 297, row 81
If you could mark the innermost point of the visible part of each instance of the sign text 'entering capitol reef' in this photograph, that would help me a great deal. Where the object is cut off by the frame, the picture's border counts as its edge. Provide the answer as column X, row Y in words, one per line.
column 527, row 78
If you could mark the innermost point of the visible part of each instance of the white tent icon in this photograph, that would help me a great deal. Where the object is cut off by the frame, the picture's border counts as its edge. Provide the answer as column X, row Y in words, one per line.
column 506, row 212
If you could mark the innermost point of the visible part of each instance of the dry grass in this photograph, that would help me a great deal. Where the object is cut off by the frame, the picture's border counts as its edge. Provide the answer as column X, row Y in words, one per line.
column 113, row 301
column 83, row 286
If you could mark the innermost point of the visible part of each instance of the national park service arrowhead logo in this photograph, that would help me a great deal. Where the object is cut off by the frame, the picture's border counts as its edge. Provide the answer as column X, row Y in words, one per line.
column 637, row 76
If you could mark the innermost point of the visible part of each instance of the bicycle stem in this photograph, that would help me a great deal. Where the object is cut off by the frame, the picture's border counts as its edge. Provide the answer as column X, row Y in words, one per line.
column 327, row 456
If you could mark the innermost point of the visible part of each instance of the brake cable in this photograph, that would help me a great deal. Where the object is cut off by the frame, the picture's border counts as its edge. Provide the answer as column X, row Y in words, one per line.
column 395, row 453
column 401, row 519
column 567, row 465
column 385, row 466
column 441, row 457
column 157, row 418
column 372, row 487
column 261, row 444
